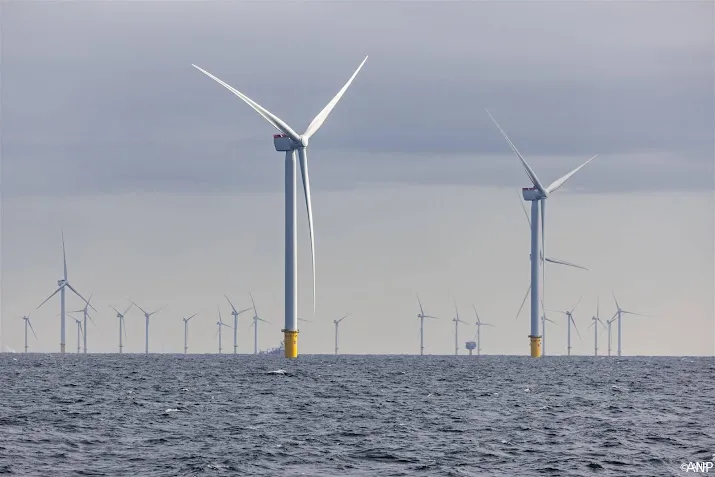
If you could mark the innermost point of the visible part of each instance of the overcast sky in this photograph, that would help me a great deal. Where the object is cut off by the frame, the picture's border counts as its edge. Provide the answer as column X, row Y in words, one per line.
column 170, row 193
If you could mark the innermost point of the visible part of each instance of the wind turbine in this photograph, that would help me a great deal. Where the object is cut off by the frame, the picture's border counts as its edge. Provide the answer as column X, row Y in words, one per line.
column 479, row 323
column 619, row 313
column 536, row 195
column 457, row 321
column 608, row 322
column 146, row 317
column 26, row 318
column 421, row 315
column 235, row 324
column 186, row 330
column 61, row 284
column 337, row 322
column 569, row 321
column 122, row 325
column 79, row 331
column 289, row 142
column 220, row 325
column 256, row 319
column 596, row 319
column 85, row 315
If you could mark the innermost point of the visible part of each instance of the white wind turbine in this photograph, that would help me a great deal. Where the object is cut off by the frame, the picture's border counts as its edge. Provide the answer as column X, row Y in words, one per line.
column 456, row 321
column 220, row 325
column 61, row 284
column 79, row 332
column 537, row 195
column 596, row 320
column 186, row 331
column 608, row 323
column 421, row 315
column 85, row 315
column 256, row 319
column 569, row 321
column 122, row 325
column 619, row 313
column 289, row 142
column 337, row 323
column 235, row 323
column 479, row 323
column 26, row 319
column 146, row 318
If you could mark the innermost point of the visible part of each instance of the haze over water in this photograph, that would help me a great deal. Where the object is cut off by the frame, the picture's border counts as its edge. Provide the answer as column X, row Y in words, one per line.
column 171, row 415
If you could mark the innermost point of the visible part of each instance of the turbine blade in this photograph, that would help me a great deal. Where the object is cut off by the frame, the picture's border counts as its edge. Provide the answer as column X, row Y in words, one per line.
column 524, row 300
column 110, row 306
column 563, row 262
column 277, row 122
column 562, row 180
column 33, row 329
column 574, row 307
column 261, row 319
column 128, row 308
column 242, row 311
column 53, row 294
column 575, row 327
column 614, row 299
column 422, row 312
column 523, row 207
column 191, row 316
column 475, row 312
column 229, row 302
column 320, row 118
column 124, row 326
column 255, row 312
column 303, row 157
column 157, row 311
column 529, row 170
column 142, row 309
column 344, row 316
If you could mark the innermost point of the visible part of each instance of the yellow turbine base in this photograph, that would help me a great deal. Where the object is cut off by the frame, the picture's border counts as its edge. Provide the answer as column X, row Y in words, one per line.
column 291, row 343
column 535, row 346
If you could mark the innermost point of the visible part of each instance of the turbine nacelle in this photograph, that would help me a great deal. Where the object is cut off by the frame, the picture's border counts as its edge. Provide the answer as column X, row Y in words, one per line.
column 61, row 282
column 532, row 194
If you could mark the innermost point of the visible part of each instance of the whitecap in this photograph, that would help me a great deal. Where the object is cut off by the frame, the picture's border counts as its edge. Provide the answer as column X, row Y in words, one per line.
column 277, row 371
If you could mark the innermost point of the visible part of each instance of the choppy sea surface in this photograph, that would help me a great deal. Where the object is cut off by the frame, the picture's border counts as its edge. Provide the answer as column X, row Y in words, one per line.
column 173, row 415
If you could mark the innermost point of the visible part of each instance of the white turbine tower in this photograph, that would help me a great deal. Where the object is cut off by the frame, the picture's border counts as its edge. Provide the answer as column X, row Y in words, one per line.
column 235, row 323
column 256, row 319
column 608, row 323
column 85, row 315
column 456, row 321
column 537, row 195
column 61, row 284
column 289, row 142
column 596, row 320
column 619, row 313
column 479, row 323
column 337, row 323
column 569, row 321
column 26, row 319
column 220, row 325
column 122, row 325
column 186, row 331
column 146, row 318
column 421, row 315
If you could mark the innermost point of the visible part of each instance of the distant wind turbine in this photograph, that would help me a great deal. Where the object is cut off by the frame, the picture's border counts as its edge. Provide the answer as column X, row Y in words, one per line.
column 79, row 332
column 146, row 318
column 256, row 319
column 186, row 331
column 619, row 314
column 26, row 318
column 569, row 321
column 479, row 323
column 596, row 320
column 289, row 141
column 122, row 325
column 456, row 321
column 235, row 323
column 337, row 323
column 220, row 325
column 421, row 315
column 544, row 319
column 536, row 195
column 61, row 284
column 85, row 315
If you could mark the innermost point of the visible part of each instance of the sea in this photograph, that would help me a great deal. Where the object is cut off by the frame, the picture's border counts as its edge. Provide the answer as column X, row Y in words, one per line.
column 320, row 415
